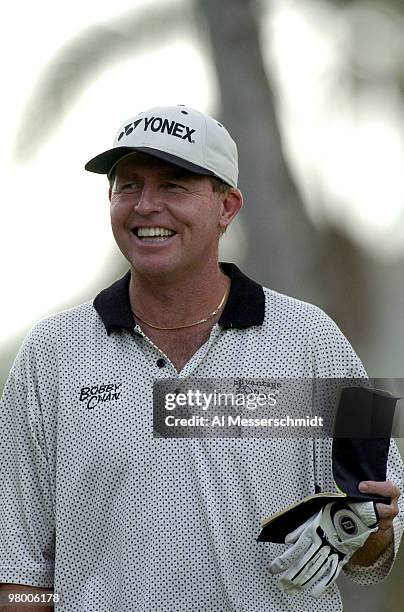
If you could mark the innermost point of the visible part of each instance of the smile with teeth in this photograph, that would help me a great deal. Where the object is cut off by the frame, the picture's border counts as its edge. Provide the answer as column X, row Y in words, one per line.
column 154, row 234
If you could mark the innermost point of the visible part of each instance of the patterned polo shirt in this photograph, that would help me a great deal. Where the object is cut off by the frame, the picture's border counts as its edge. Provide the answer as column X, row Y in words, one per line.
column 118, row 519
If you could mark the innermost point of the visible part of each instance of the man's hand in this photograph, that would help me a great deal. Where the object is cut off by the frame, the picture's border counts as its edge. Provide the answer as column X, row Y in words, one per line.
column 322, row 545
column 379, row 541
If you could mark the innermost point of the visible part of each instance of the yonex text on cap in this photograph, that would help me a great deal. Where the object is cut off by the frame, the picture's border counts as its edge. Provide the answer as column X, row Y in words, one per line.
column 177, row 134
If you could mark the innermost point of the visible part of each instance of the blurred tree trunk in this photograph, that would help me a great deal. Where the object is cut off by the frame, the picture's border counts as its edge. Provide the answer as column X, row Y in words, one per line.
column 285, row 251
column 345, row 277
column 283, row 247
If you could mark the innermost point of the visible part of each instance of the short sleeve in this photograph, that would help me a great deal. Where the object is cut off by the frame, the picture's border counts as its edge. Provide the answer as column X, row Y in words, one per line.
column 333, row 356
column 27, row 525
column 383, row 565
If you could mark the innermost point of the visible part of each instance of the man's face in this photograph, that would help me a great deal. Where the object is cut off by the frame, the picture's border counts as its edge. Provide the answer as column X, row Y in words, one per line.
column 150, row 196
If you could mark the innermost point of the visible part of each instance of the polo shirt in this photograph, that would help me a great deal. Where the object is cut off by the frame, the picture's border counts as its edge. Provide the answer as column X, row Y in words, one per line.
column 118, row 519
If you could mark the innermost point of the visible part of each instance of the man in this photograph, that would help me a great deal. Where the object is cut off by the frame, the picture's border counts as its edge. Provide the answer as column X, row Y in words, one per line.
column 94, row 505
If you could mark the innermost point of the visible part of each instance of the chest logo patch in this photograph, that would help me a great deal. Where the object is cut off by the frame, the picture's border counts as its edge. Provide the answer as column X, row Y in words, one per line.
column 100, row 394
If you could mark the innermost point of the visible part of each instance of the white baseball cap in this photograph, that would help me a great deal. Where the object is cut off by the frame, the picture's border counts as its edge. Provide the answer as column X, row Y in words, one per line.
column 178, row 134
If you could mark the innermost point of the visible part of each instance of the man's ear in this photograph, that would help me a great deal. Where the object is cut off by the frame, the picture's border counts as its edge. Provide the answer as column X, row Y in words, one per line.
column 231, row 202
column 110, row 193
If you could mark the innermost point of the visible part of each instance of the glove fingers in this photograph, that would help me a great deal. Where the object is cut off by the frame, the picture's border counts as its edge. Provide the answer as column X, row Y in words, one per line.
column 331, row 573
column 293, row 536
column 284, row 561
column 306, row 571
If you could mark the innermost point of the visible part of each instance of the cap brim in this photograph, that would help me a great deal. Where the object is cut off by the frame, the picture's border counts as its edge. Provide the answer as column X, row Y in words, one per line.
column 105, row 162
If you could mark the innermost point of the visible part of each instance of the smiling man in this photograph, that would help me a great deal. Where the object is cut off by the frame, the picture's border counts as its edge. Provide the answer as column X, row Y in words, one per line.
column 167, row 221
column 97, row 507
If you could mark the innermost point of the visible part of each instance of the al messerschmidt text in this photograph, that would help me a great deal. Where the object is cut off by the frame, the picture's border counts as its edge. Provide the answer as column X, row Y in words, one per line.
column 239, row 421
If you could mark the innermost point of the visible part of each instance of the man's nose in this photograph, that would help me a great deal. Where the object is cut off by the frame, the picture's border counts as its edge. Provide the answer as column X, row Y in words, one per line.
column 148, row 200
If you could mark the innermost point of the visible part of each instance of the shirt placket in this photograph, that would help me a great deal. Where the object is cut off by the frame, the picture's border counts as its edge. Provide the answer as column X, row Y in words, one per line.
column 190, row 367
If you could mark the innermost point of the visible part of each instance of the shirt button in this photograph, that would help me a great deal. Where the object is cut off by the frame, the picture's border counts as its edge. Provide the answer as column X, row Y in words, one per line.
column 161, row 362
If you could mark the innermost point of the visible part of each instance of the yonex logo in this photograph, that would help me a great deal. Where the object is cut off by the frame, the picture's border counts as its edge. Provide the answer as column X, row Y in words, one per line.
column 158, row 124
column 99, row 394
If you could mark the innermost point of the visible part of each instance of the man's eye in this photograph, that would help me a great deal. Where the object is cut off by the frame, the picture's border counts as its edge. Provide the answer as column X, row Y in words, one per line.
column 175, row 187
column 129, row 188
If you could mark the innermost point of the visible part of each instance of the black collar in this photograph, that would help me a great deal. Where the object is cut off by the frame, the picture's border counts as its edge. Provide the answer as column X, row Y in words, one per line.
column 245, row 305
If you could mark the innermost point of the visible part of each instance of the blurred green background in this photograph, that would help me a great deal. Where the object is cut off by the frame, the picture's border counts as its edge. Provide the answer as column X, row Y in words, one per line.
column 313, row 93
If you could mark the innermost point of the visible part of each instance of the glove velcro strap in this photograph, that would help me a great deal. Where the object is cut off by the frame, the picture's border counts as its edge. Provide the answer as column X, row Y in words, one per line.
column 367, row 512
column 349, row 530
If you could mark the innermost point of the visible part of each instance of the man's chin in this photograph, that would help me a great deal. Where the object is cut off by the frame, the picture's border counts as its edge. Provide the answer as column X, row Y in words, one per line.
column 156, row 269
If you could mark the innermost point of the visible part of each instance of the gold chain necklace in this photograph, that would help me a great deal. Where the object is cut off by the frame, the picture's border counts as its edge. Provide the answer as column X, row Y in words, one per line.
column 212, row 314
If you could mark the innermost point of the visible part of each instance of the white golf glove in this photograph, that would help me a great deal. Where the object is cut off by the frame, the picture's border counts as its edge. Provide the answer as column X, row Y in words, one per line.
column 322, row 545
